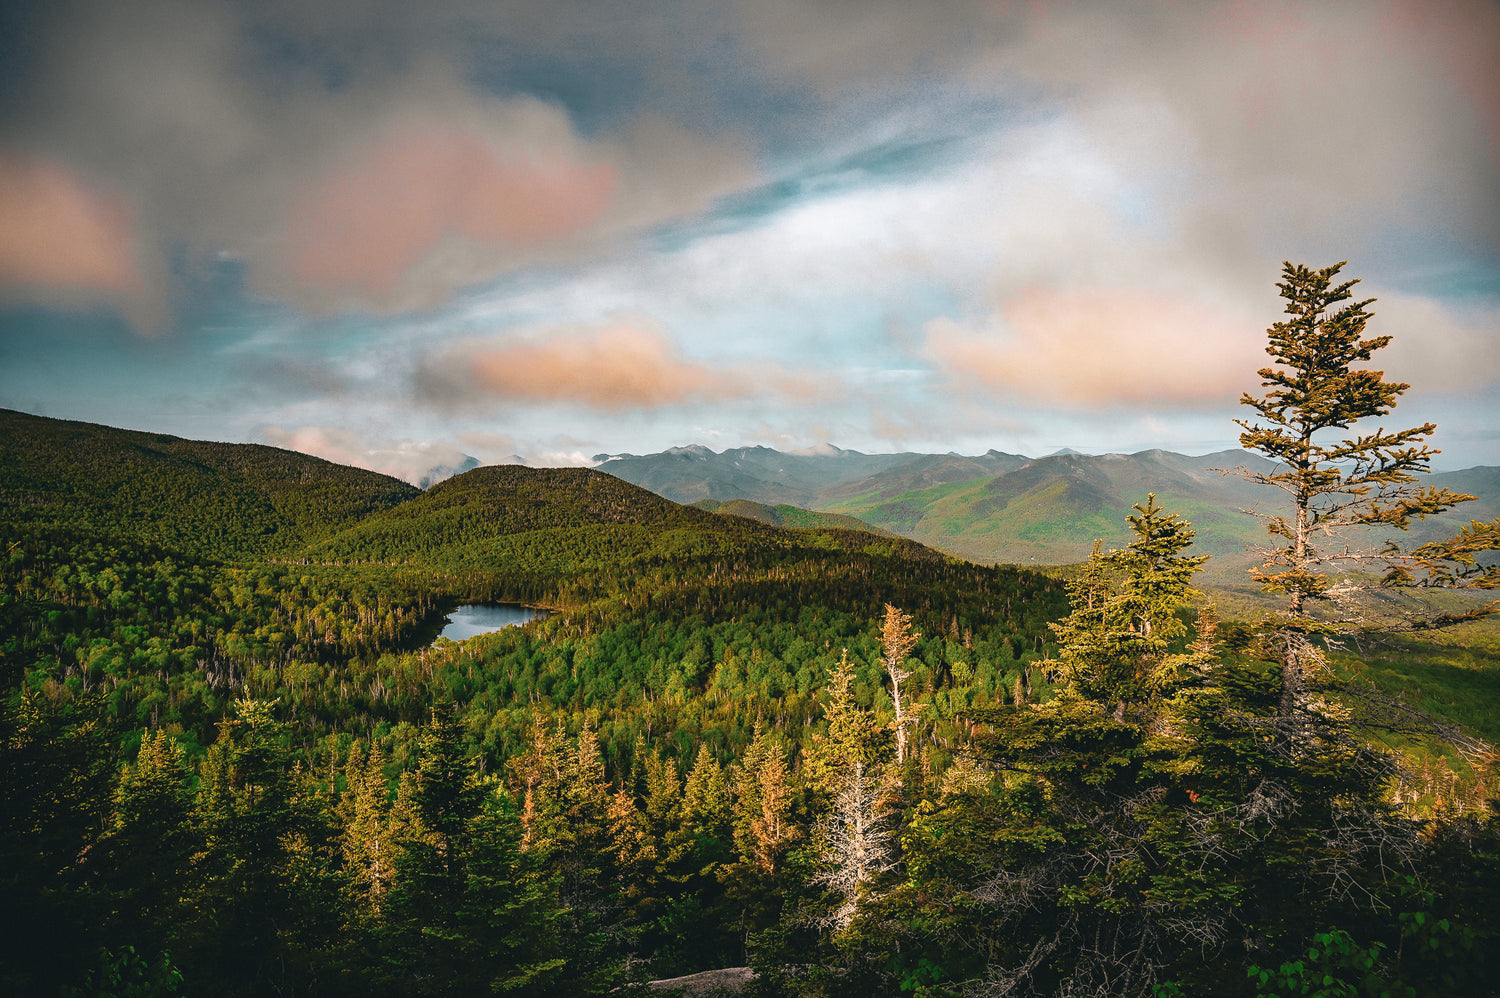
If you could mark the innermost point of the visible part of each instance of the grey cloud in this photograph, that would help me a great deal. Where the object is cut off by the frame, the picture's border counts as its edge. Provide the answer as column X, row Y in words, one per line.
column 1295, row 115
column 211, row 119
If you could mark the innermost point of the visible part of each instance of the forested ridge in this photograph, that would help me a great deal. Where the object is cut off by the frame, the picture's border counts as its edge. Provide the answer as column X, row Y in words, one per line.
column 234, row 761
column 216, row 500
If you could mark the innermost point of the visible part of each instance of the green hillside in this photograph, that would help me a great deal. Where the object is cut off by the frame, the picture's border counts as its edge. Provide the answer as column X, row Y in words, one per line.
column 785, row 515
column 1050, row 511
column 199, row 498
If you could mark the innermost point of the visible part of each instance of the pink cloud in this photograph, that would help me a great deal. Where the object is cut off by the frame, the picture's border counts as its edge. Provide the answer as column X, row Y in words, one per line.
column 363, row 227
column 626, row 364
column 59, row 235
column 1098, row 346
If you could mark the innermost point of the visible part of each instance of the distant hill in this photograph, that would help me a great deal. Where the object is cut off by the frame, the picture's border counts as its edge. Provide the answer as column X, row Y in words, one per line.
column 247, row 501
column 556, row 521
column 1051, row 510
column 456, row 521
column 207, row 499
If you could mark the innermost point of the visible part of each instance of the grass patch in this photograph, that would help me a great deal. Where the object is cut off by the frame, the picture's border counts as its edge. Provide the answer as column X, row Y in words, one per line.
column 1454, row 675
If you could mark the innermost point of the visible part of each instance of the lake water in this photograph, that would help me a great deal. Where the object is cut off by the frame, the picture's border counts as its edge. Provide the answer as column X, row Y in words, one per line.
column 469, row 620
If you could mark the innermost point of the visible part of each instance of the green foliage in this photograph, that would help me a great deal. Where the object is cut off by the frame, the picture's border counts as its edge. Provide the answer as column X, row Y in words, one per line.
column 1116, row 642
column 56, row 778
column 202, row 500
column 242, row 776
column 1127, row 827
column 126, row 974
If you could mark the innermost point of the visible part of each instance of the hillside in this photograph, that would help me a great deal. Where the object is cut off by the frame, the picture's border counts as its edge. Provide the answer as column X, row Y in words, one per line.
column 786, row 515
column 1051, row 510
column 200, row 498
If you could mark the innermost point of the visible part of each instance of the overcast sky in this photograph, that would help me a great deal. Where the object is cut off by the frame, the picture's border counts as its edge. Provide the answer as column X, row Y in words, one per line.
column 394, row 233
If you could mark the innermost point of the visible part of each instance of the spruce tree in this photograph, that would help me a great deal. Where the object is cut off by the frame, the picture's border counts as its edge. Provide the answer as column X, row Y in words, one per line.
column 1116, row 642
column 1338, row 475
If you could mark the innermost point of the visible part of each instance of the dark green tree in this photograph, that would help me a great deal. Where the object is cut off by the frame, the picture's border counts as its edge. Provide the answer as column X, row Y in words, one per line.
column 144, row 857
column 1117, row 644
column 56, row 774
column 1142, row 827
column 264, row 903
column 467, row 913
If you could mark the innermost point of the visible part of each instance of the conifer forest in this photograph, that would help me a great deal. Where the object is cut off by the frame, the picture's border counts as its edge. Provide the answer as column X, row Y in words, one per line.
column 235, row 759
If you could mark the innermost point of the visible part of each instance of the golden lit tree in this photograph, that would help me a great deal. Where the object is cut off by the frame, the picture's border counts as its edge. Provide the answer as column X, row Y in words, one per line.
column 1341, row 477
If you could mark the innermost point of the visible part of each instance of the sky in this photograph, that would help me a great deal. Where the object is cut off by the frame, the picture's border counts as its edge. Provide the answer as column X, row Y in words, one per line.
column 398, row 234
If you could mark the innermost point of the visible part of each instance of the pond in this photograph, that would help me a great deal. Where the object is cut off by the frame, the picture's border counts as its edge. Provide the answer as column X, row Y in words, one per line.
column 471, row 619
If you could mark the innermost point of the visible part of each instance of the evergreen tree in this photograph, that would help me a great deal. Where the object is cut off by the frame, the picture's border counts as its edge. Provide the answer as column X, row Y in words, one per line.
column 764, row 825
column 56, row 773
column 468, row 912
column 1338, row 476
column 372, row 829
column 851, row 735
column 144, row 857
column 706, row 804
column 264, row 904
column 1116, row 644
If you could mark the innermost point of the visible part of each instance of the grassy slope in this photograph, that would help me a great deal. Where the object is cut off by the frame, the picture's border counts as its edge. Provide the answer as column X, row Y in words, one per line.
column 1044, row 525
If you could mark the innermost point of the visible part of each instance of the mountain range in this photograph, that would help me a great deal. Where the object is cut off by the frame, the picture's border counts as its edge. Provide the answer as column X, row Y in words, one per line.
column 237, row 500
column 1008, row 508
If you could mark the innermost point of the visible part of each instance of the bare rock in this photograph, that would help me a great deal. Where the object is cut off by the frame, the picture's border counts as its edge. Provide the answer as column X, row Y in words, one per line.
column 729, row 980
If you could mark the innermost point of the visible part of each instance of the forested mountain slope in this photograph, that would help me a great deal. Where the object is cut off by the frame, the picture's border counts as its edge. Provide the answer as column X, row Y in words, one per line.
column 211, row 499
column 1050, row 511
column 788, row 516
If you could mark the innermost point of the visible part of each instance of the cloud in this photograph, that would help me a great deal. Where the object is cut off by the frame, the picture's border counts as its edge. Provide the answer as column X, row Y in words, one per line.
column 62, row 240
column 443, row 188
column 362, row 228
column 1097, row 347
column 350, row 162
column 626, row 363
column 1436, row 347
column 409, row 460
column 1274, row 117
